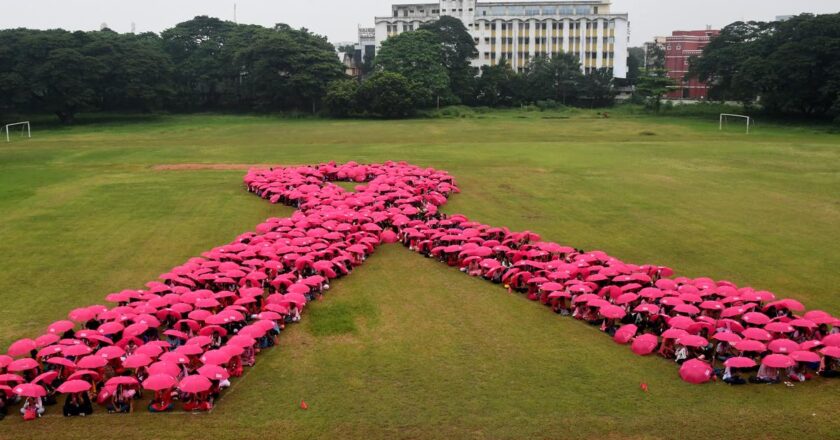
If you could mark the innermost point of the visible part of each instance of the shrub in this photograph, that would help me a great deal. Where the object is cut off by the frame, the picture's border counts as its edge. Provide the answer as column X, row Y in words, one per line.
column 340, row 99
column 387, row 94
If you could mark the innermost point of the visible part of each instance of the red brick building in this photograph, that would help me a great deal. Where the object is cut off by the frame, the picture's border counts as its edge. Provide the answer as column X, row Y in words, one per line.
column 679, row 47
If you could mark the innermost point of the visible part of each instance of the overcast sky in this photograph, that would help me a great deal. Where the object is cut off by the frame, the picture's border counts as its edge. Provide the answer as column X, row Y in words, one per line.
column 337, row 19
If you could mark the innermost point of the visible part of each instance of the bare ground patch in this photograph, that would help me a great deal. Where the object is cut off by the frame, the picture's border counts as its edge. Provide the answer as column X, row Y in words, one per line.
column 210, row 166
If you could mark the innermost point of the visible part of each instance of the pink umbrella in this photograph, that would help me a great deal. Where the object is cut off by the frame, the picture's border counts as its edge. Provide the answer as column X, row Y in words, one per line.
column 805, row 356
column 779, row 327
column 644, row 344
column 832, row 340
column 175, row 358
column 159, row 382
column 726, row 337
column 189, row 350
column 84, row 374
column 77, row 350
column 739, row 362
column 121, row 380
column 612, row 312
column 782, row 346
column 625, row 333
column 22, row 347
column 111, row 352
column 749, row 345
column 242, row 341
column 680, row 322
column 64, row 362
column 150, row 350
column 673, row 333
column 213, row 372
column 82, row 314
column 22, row 365
column 692, row 341
column 194, row 384
column 73, row 386
column 232, row 349
column 687, row 309
column 298, row 288
column 215, row 357
column 164, row 368
column 831, row 352
column 8, row 377
column 46, row 339
column 30, row 390
column 778, row 361
column 789, row 304
column 695, row 371
column 137, row 361
column 92, row 362
column 47, row 377
column 803, row 323
column 757, row 334
column 647, row 308
column 755, row 318
column 809, row 345
column 60, row 326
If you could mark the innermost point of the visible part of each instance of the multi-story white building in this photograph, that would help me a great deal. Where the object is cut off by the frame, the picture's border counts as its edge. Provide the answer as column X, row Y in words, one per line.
column 520, row 31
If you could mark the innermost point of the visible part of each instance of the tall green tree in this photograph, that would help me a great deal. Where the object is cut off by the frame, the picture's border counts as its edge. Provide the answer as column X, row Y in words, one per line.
column 205, row 75
column 635, row 63
column 653, row 86
column 598, row 88
column 558, row 78
column 458, row 49
column 417, row 57
column 288, row 68
column 499, row 86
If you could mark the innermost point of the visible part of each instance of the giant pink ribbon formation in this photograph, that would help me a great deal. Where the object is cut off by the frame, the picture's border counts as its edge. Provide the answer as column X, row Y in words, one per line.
column 208, row 318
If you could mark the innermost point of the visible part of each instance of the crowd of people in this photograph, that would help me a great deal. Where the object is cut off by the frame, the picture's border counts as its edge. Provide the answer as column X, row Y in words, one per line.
column 180, row 341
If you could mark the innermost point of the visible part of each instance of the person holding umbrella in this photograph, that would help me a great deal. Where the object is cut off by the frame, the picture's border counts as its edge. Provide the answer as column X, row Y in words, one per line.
column 33, row 407
column 162, row 385
column 122, row 401
column 77, row 404
column 162, row 401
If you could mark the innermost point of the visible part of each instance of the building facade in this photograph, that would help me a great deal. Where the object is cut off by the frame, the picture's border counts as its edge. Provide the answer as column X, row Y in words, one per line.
column 679, row 48
column 518, row 32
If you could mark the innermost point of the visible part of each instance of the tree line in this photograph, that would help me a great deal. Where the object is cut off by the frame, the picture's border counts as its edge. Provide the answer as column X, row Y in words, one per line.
column 201, row 64
column 210, row 64
column 786, row 67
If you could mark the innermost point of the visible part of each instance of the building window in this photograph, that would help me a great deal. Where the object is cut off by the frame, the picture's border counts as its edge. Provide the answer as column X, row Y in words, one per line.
column 679, row 47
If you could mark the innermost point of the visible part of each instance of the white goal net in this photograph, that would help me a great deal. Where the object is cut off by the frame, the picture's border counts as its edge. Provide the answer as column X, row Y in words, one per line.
column 725, row 118
column 25, row 129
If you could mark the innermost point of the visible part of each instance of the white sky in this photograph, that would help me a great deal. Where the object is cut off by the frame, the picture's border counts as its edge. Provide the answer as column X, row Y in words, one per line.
column 338, row 18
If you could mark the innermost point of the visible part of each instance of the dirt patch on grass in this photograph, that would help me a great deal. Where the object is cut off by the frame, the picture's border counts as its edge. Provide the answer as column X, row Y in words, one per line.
column 210, row 166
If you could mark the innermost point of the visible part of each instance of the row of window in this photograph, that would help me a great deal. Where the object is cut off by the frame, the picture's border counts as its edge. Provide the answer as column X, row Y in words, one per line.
column 543, row 26
column 393, row 28
column 525, row 55
column 407, row 12
column 536, row 10
column 543, row 40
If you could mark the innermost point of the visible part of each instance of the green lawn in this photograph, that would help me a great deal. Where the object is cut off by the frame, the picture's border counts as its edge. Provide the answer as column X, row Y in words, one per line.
column 408, row 348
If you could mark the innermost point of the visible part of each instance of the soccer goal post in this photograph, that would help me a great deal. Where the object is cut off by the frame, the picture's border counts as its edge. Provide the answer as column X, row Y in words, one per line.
column 724, row 119
column 25, row 129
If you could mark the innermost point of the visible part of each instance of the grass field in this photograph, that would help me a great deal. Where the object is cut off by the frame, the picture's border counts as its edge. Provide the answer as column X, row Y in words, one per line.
column 408, row 348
